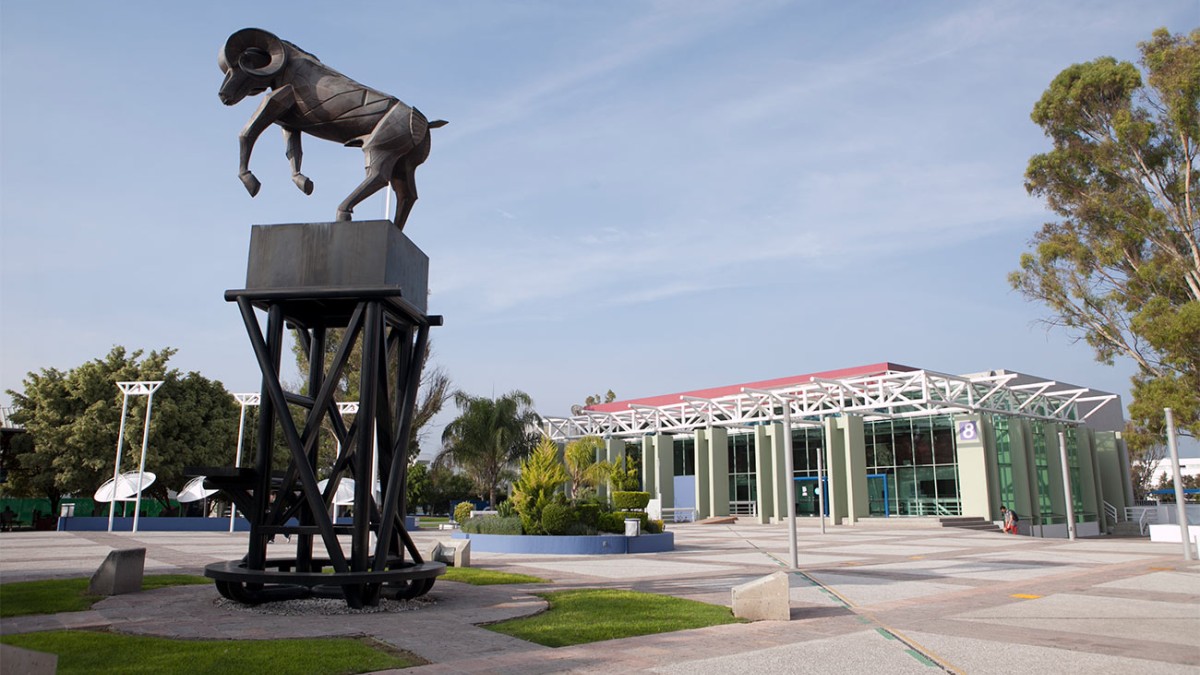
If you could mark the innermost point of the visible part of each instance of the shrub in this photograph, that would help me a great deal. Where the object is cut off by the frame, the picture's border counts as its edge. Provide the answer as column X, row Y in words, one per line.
column 542, row 474
column 493, row 525
column 588, row 514
column 462, row 512
column 625, row 501
column 506, row 509
column 558, row 518
column 611, row 522
column 655, row 527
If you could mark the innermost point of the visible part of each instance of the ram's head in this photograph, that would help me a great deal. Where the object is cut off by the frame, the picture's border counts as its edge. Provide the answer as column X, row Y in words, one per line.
column 250, row 59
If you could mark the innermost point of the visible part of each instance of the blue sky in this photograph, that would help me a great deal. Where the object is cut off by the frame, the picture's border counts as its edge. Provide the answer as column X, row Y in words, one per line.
column 639, row 196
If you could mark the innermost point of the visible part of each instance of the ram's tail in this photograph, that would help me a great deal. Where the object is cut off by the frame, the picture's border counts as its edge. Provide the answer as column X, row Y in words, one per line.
column 438, row 123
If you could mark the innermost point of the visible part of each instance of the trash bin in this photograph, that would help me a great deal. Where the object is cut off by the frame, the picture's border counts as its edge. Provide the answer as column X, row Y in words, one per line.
column 66, row 510
column 633, row 527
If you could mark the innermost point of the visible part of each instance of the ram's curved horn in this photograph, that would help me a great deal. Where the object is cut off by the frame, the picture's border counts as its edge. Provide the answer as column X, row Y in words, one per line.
column 247, row 38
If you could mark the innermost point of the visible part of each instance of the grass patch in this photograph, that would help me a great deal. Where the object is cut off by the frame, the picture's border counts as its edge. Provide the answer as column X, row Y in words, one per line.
column 88, row 652
column 480, row 577
column 580, row 617
column 51, row 596
column 433, row 520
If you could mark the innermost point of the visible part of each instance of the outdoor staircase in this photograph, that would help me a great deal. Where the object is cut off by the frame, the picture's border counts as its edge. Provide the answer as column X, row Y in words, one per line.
column 1127, row 528
column 968, row 523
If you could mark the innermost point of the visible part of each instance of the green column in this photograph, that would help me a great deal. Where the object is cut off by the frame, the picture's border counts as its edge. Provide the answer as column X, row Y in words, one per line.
column 858, row 498
column 1024, row 480
column 664, row 467
column 718, row 479
column 763, row 475
column 974, row 486
column 649, row 474
column 779, row 470
column 703, row 474
column 1058, row 498
column 835, row 467
column 1112, row 478
column 1087, row 475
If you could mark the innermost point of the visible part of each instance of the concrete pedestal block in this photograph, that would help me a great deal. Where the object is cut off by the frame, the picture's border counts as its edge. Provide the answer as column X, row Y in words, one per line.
column 764, row 599
column 455, row 553
column 27, row 661
column 121, row 572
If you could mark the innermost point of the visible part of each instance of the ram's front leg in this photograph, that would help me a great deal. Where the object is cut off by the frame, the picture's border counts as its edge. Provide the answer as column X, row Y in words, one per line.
column 294, row 154
column 274, row 106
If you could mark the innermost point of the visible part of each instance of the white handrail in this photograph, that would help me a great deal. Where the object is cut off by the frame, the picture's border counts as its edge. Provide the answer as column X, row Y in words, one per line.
column 1111, row 512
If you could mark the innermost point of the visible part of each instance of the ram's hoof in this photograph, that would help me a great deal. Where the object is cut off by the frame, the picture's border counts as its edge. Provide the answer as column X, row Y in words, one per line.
column 343, row 215
column 303, row 182
column 251, row 183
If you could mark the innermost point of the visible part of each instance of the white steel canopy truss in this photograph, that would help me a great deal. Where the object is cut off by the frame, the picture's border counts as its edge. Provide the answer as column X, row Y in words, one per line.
column 893, row 394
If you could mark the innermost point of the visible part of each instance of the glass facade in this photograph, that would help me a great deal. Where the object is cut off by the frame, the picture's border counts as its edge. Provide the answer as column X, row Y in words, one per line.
column 912, row 466
column 807, row 443
column 685, row 455
column 1008, row 495
column 743, row 492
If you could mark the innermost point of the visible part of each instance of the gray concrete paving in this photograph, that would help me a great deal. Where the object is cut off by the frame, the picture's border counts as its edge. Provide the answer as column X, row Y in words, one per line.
column 911, row 599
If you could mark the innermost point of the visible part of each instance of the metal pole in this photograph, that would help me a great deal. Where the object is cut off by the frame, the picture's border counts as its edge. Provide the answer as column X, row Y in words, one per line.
column 137, row 506
column 789, row 468
column 821, row 480
column 1066, row 474
column 237, row 461
column 112, row 505
column 1180, row 507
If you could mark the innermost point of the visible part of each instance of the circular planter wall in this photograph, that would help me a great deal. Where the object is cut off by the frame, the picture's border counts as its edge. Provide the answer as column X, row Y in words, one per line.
column 599, row 544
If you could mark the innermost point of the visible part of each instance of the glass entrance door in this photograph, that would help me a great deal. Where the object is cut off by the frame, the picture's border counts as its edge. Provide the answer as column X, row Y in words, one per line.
column 877, row 494
column 808, row 499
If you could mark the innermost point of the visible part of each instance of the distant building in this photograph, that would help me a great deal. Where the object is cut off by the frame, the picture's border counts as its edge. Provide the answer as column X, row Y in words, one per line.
column 892, row 440
column 1188, row 466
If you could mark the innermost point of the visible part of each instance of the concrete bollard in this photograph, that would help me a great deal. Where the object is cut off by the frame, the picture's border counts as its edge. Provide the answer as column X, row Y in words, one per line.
column 764, row 599
column 121, row 572
column 455, row 553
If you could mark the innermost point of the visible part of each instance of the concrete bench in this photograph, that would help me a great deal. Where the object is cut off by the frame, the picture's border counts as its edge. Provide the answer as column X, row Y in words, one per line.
column 456, row 553
column 121, row 572
column 764, row 599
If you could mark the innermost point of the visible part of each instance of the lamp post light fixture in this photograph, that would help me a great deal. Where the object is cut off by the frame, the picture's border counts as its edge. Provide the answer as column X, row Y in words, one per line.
column 141, row 388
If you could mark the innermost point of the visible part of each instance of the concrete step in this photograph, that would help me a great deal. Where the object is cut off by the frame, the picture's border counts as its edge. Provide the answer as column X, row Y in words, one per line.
column 1127, row 529
column 968, row 523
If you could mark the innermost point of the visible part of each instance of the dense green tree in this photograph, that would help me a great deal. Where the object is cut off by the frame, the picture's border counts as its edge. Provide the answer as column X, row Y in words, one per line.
column 1120, row 269
column 488, row 438
column 594, row 399
column 72, row 421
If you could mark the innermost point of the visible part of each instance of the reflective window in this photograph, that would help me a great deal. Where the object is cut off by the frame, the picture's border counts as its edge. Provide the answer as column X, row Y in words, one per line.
column 916, row 459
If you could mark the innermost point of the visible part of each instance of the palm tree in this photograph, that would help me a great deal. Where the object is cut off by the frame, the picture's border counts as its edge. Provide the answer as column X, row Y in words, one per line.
column 585, row 470
column 488, row 438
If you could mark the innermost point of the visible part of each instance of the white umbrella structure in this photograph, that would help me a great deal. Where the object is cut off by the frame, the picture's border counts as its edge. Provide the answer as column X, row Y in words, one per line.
column 194, row 491
column 124, row 487
column 344, row 496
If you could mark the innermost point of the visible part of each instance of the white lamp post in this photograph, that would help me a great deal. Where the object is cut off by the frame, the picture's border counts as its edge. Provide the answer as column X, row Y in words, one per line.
column 243, row 401
column 144, row 388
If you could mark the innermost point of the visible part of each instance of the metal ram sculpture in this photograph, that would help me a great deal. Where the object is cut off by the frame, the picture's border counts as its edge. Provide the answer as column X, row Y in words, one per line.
column 308, row 96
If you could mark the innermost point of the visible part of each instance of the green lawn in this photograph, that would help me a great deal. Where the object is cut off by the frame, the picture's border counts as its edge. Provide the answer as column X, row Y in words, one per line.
column 480, row 577
column 88, row 652
column 580, row 617
column 52, row 596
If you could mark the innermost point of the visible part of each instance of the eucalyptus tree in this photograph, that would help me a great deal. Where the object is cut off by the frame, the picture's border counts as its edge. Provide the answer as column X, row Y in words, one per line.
column 489, row 437
column 1120, row 268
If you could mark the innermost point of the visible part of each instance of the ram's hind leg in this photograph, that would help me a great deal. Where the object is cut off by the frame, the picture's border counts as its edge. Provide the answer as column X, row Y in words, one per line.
column 379, row 168
column 404, row 184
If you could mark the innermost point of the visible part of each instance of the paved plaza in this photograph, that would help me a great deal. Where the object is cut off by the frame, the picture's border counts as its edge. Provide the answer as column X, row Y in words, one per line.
column 904, row 598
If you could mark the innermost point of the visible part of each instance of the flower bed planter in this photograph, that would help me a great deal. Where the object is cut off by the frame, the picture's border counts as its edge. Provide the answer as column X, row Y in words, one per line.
column 599, row 544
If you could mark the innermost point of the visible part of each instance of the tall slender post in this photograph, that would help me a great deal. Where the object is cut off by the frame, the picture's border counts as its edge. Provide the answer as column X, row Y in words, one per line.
column 243, row 400
column 1180, row 507
column 789, row 468
column 112, row 504
column 1066, row 474
column 137, row 505
column 821, row 485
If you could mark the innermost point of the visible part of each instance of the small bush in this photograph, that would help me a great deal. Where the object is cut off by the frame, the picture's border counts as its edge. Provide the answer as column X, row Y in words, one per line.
column 580, row 530
column 626, row 501
column 506, row 509
column 589, row 513
column 558, row 518
column 492, row 525
column 462, row 512
column 655, row 527
column 611, row 522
